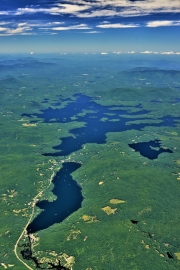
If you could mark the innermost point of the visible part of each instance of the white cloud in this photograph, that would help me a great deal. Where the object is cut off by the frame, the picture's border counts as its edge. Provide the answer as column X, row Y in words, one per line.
column 27, row 28
column 168, row 52
column 44, row 28
column 89, row 9
column 43, row 24
column 3, row 29
column 92, row 32
column 117, row 25
column 22, row 24
column 18, row 30
column 100, row 8
column 4, row 12
column 105, row 22
column 28, row 34
column 70, row 9
column 12, row 31
column 127, row 8
column 56, row 23
column 98, row 13
column 163, row 23
column 54, row 10
column 118, row 52
column 147, row 52
column 21, row 11
column 72, row 27
column 4, row 23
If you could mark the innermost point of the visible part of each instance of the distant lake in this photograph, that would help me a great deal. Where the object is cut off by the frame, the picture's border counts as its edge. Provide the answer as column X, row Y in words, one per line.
column 99, row 120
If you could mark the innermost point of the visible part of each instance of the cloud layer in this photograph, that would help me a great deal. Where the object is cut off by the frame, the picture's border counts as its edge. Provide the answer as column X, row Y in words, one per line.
column 100, row 8
column 107, row 14
column 39, row 27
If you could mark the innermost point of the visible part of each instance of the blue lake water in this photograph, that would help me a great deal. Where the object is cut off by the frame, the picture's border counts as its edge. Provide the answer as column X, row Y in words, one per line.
column 95, row 129
column 149, row 149
column 69, row 199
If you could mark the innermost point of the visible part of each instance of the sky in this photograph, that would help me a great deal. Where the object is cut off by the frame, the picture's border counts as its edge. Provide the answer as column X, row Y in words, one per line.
column 90, row 26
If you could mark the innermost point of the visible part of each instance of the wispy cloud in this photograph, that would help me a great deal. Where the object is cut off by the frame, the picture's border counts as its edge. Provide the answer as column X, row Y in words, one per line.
column 54, row 10
column 168, row 53
column 125, row 8
column 26, row 28
column 101, row 8
column 118, row 52
column 12, row 31
column 117, row 25
column 92, row 32
column 4, row 12
column 5, row 23
column 72, row 27
column 3, row 29
column 163, row 23
column 171, row 52
column 132, row 25
column 44, row 27
column 72, row 8
column 147, row 52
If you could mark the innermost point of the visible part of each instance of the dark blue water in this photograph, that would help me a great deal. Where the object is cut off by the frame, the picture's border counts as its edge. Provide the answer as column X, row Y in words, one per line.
column 81, row 103
column 69, row 199
column 94, row 130
column 146, row 149
column 68, row 193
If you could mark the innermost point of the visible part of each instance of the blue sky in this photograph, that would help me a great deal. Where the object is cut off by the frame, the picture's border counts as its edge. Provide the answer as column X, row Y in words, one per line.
column 89, row 26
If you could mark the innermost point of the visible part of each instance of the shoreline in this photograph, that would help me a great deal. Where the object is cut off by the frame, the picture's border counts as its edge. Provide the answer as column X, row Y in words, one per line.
column 31, row 216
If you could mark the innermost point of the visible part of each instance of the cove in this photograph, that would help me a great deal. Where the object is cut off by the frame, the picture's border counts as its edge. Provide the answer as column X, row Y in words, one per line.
column 27, row 254
column 149, row 149
column 69, row 199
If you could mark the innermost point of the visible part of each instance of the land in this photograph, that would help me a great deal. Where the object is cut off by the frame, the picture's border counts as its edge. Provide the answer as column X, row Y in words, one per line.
column 129, row 217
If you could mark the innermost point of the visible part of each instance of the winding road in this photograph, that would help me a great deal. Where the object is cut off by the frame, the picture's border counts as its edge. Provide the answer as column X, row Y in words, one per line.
column 31, row 216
